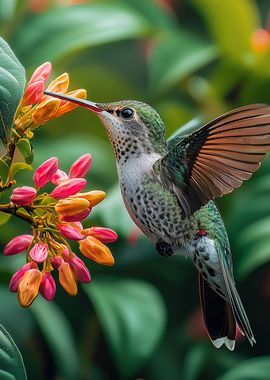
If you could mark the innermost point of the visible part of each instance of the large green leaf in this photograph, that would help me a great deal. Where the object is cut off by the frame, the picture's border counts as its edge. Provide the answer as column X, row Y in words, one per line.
column 11, row 362
column 12, row 82
column 58, row 335
column 256, row 368
column 53, row 34
column 132, row 316
column 176, row 55
column 231, row 23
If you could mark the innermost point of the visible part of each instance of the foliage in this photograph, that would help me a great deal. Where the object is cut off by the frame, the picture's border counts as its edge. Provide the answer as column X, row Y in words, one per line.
column 189, row 59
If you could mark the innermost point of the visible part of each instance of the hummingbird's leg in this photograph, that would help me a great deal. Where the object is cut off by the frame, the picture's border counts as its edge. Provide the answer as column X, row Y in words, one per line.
column 163, row 248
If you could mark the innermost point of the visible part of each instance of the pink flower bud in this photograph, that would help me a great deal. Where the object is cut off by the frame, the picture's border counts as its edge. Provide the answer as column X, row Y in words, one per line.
column 47, row 286
column 59, row 177
column 45, row 172
column 18, row 244
column 81, row 166
column 70, row 232
column 69, row 187
column 23, row 195
column 33, row 93
column 77, row 217
column 16, row 278
column 80, row 270
column 105, row 235
column 56, row 261
column 39, row 252
column 41, row 73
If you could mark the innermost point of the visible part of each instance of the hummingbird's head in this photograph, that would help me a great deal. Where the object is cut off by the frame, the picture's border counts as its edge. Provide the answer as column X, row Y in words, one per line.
column 133, row 127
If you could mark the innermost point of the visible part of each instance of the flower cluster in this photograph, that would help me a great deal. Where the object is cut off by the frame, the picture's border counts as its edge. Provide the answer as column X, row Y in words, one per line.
column 56, row 218
column 36, row 108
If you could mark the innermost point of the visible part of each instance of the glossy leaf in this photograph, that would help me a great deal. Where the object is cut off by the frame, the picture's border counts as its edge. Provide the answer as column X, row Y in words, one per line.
column 11, row 362
column 4, row 218
column 12, row 82
column 255, row 368
column 26, row 150
column 57, row 332
column 231, row 24
column 75, row 28
column 132, row 316
column 18, row 166
column 176, row 55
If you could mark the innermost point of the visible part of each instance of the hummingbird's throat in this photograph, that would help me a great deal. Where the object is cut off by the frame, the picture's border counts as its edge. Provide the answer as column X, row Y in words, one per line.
column 80, row 102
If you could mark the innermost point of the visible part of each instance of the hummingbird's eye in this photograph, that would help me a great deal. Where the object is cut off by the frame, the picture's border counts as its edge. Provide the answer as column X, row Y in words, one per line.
column 126, row 113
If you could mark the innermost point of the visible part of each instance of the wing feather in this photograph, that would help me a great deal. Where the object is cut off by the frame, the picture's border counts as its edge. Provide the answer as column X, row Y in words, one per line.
column 215, row 159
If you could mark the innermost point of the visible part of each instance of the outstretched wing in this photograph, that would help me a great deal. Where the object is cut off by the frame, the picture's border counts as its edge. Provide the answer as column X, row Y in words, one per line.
column 218, row 157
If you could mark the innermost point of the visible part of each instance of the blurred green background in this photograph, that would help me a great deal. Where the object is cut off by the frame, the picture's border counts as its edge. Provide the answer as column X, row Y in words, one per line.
column 141, row 318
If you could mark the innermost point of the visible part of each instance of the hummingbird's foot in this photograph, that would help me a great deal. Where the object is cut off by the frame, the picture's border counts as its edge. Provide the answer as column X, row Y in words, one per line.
column 163, row 248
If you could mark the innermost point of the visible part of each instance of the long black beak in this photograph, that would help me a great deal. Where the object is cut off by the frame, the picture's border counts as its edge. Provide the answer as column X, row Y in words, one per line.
column 81, row 102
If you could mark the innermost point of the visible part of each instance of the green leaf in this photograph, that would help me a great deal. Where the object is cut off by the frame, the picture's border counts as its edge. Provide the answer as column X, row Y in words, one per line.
column 11, row 362
column 177, row 55
column 18, row 166
column 256, row 368
column 76, row 27
column 26, row 150
column 132, row 315
column 57, row 332
column 12, row 82
column 231, row 24
column 4, row 218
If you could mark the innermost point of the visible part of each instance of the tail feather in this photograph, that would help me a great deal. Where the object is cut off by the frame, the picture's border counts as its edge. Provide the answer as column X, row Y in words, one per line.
column 237, row 306
column 218, row 316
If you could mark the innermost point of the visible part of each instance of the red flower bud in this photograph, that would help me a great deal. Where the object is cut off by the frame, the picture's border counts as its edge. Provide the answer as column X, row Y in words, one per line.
column 18, row 244
column 23, row 195
column 39, row 252
column 105, row 235
column 68, row 188
column 70, row 232
column 45, row 172
column 81, row 166
column 59, row 177
column 47, row 286
column 76, row 217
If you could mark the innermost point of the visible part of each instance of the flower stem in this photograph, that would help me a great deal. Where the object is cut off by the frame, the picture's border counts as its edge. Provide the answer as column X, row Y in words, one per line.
column 10, row 209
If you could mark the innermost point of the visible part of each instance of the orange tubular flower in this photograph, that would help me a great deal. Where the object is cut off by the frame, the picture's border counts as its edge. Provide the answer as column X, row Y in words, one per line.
column 95, row 250
column 67, row 279
column 60, row 84
column 94, row 197
column 36, row 108
column 45, row 111
column 29, row 287
column 71, row 206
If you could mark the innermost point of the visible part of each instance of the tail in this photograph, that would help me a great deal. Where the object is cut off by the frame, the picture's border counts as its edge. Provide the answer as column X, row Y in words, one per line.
column 221, row 316
column 218, row 316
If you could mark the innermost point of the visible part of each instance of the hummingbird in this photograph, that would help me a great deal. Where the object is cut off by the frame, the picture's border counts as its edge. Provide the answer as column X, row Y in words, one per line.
column 169, row 188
